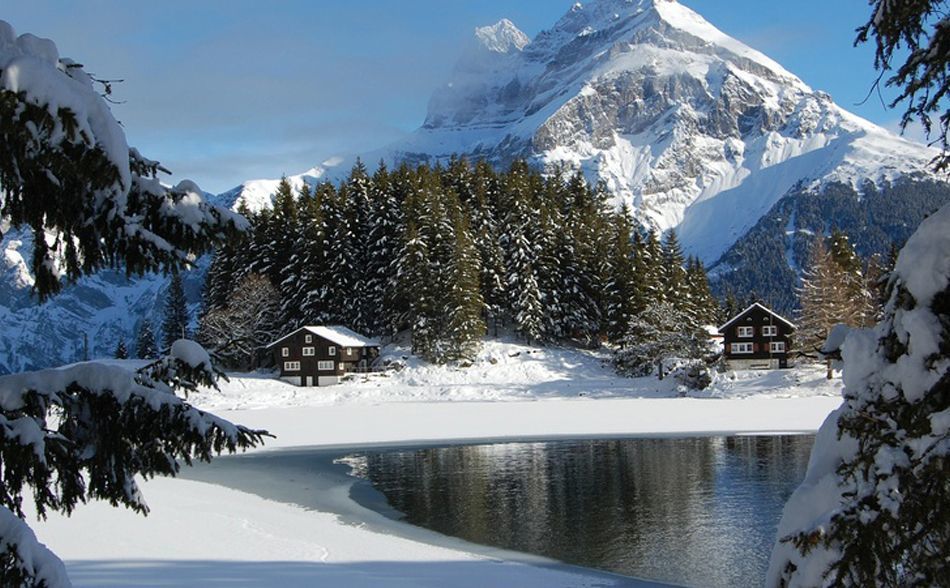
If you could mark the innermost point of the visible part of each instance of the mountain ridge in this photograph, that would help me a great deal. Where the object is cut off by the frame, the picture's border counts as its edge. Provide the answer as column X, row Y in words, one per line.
column 682, row 122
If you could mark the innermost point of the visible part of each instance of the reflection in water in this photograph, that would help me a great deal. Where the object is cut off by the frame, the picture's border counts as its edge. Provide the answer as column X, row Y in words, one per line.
column 699, row 512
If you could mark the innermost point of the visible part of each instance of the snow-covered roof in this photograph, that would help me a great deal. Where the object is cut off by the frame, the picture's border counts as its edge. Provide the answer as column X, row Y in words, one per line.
column 336, row 334
column 771, row 312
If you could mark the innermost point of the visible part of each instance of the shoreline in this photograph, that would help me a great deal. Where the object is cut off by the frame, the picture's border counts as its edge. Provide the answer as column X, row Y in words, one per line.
column 355, row 502
column 204, row 534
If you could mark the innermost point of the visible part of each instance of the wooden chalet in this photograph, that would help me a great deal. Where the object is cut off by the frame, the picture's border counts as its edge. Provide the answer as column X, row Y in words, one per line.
column 320, row 356
column 757, row 338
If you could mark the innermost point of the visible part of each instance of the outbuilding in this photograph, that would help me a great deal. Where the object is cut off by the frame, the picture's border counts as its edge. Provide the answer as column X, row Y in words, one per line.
column 321, row 355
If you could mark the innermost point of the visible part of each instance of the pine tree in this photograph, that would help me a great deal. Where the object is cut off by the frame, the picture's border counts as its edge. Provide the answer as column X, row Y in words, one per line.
column 486, row 231
column 89, row 432
column 341, row 254
column 915, row 32
column 624, row 294
column 875, row 507
column 297, row 274
column 656, row 335
column 550, row 269
column 650, row 267
column 522, row 283
column 673, row 274
column 581, row 260
column 175, row 323
column 382, row 249
column 360, row 312
column 703, row 307
column 145, row 341
column 820, row 295
column 465, row 326
column 413, row 274
column 220, row 278
column 859, row 311
column 120, row 351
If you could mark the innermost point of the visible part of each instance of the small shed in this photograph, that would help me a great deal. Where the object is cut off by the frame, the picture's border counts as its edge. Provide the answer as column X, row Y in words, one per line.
column 321, row 355
column 757, row 338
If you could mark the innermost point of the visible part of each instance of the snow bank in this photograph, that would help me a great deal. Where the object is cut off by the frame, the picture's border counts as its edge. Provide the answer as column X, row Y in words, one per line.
column 35, row 558
column 506, row 371
column 205, row 535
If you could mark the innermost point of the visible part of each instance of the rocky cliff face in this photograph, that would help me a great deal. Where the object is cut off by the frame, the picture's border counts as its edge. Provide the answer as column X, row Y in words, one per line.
column 691, row 128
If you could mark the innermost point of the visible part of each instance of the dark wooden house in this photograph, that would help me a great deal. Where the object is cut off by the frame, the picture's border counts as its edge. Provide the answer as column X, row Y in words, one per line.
column 320, row 356
column 757, row 338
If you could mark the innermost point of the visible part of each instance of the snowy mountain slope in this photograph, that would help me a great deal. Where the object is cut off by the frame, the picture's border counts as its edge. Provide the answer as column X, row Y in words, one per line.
column 257, row 195
column 100, row 309
column 693, row 129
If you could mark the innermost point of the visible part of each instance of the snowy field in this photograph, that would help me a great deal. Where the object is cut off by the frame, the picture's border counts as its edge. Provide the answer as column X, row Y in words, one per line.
column 201, row 534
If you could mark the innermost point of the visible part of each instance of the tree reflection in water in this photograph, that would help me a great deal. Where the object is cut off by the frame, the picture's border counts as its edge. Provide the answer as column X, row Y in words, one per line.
column 697, row 511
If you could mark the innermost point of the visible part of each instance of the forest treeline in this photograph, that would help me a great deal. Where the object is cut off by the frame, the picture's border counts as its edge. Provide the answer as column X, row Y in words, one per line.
column 449, row 253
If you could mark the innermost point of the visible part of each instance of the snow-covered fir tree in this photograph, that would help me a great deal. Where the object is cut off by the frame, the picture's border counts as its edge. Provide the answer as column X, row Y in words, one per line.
column 659, row 333
column 90, row 431
column 413, row 275
column 703, row 307
column 120, row 351
column 874, row 508
column 524, row 294
column 624, row 293
column 145, row 341
column 484, row 226
column 465, row 325
column 382, row 248
column 672, row 272
column 292, row 285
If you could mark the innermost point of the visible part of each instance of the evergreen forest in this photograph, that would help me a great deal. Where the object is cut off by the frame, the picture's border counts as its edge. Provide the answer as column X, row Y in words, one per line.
column 449, row 253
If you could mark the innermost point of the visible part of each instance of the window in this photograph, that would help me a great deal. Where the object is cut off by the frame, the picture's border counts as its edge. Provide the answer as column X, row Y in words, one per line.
column 349, row 351
column 285, row 352
column 777, row 346
column 325, row 366
column 291, row 366
column 308, row 339
column 332, row 350
column 308, row 351
column 739, row 348
column 746, row 332
column 770, row 331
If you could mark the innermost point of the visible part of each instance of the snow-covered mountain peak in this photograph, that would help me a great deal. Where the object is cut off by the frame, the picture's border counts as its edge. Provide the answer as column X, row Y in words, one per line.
column 675, row 116
column 502, row 37
column 689, row 127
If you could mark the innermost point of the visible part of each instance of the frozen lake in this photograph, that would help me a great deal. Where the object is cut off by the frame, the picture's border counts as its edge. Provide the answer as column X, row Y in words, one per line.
column 699, row 511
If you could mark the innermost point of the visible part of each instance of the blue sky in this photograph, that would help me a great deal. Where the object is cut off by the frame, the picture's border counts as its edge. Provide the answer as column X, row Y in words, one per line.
column 227, row 90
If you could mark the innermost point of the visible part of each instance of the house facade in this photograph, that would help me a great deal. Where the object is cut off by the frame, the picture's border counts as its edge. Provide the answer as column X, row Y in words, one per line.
column 321, row 355
column 757, row 338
